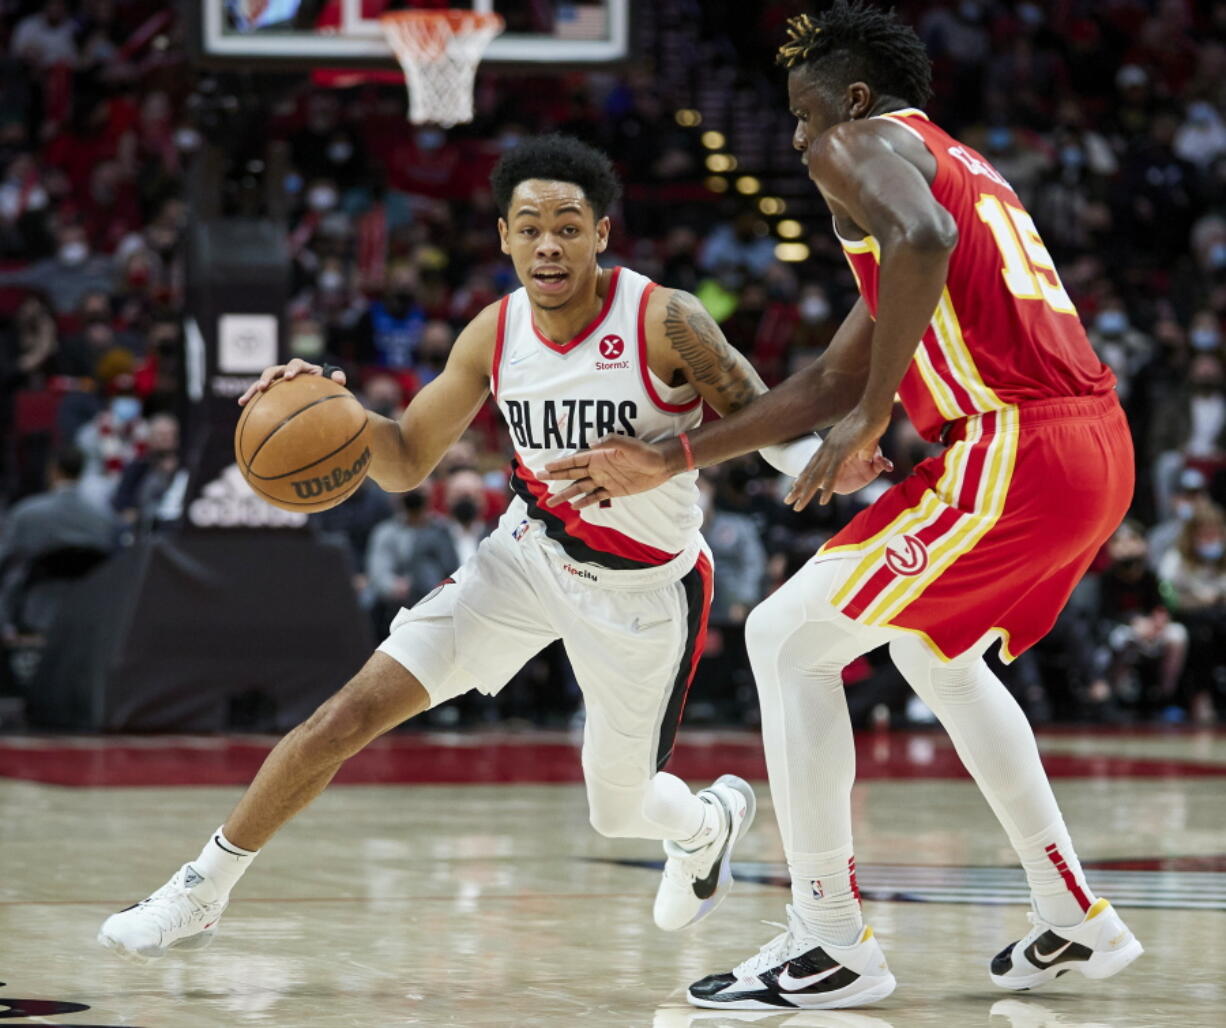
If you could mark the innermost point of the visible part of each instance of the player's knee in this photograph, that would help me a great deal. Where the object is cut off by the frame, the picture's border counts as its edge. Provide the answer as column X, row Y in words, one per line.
column 764, row 625
column 340, row 727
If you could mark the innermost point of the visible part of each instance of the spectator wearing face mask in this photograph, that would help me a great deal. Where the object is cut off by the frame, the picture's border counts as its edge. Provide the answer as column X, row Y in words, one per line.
column 1123, row 348
column 150, row 491
column 464, row 498
column 389, row 333
column 436, row 341
column 1190, row 495
column 1189, row 426
column 1193, row 574
column 1143, row 649
column 409, row 554
column 67, row 276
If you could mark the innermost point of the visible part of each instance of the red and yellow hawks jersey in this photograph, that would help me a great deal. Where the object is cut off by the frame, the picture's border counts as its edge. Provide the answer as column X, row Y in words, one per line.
column 1005, row 332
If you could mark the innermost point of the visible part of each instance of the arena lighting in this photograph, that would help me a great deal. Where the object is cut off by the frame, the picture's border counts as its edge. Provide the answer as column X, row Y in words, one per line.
column 792, row 252
column 687, row 117
column 772, row 205
column 721, row 162
column 713, row 140
column 717, row 183
column 748, row 185
column 789, row 228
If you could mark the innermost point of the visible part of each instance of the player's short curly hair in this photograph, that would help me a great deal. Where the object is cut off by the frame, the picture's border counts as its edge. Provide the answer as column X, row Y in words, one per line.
column 557, row 158
column 856, row 41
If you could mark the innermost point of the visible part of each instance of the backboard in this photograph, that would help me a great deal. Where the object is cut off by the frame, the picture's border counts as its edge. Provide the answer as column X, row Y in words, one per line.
column 347, row 32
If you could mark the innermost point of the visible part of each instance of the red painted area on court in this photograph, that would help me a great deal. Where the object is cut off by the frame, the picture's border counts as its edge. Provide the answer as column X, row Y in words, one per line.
column 494, row 757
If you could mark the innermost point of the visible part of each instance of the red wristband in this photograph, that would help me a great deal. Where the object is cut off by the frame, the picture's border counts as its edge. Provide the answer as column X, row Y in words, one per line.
column 689, row 453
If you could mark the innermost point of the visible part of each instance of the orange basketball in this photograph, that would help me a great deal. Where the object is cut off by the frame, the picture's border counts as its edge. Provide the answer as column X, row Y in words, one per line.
column 303, row 444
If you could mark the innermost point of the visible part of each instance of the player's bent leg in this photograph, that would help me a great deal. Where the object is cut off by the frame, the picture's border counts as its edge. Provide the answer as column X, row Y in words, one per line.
column 825, row 958
column 183, row 913
column 1071, row 928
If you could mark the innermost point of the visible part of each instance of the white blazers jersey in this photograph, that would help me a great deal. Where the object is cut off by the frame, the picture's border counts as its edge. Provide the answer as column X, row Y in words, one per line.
column 558, row 398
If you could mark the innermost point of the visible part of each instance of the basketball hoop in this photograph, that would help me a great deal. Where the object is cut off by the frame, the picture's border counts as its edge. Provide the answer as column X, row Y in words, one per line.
column 439, row 52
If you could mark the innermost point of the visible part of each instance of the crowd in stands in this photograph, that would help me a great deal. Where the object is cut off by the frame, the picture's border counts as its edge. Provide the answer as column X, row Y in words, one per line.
column 1106, row 118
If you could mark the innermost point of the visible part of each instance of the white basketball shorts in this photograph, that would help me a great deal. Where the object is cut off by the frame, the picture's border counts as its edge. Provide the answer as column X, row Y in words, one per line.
column 633, row 638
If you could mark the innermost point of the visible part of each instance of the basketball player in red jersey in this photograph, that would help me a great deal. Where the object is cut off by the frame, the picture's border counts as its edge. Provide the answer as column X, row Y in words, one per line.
column 962, row 315
column 576, row 352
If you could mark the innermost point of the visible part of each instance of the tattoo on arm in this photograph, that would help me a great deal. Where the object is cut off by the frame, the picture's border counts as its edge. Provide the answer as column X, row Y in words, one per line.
column 712, row 361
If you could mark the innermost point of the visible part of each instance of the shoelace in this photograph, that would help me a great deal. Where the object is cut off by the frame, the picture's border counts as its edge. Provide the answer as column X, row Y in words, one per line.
column 173, row 906
column 772, row 953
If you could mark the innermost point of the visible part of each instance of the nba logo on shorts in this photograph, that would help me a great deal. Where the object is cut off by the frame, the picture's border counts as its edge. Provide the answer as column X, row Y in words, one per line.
column 520, row 529
column 817, row 888
column 906, row 555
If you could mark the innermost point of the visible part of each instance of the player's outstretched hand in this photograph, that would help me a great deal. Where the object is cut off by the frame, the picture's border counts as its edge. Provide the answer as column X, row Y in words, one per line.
column 848, row 459
column 295, row 367
column 615, row 466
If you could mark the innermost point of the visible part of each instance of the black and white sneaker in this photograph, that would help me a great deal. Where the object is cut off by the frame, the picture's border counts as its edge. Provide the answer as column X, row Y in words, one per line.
column 695, row 882
column 1100, row 946
column 795, row 970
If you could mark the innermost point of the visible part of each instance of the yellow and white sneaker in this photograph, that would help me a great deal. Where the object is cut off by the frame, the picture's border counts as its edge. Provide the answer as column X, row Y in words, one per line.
column 1100, row 946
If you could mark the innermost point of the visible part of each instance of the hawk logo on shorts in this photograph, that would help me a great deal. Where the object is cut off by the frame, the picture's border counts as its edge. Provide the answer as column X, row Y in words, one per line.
column 906, row 555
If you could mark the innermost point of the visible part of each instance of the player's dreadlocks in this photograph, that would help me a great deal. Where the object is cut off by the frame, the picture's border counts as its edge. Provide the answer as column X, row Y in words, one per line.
column 855, row 41
column 557, row 158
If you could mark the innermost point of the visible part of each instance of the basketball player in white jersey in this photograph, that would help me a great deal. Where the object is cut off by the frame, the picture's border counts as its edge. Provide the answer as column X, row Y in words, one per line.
column 575, row 354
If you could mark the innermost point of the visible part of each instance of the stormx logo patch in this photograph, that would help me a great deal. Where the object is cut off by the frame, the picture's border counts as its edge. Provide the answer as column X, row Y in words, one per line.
column 570, row 569
column 611, row 348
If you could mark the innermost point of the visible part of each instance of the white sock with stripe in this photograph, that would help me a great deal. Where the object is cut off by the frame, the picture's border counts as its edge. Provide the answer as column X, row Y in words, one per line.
column 798, row 647
column 222, row 863
column 997, row 745
column 825, row 894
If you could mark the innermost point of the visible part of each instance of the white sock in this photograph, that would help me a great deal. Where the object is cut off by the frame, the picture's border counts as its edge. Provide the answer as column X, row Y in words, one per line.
column 711, row 828
column 1057, row 882
column 223, row 863
column 996, row 743
column 798, row 646
column 825, row 894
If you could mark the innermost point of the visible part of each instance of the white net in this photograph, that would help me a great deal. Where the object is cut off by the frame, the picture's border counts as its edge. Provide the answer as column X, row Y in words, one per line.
column 439, row 52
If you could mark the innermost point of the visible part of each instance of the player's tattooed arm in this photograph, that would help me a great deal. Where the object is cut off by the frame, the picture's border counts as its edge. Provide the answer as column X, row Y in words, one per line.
column 700, row 352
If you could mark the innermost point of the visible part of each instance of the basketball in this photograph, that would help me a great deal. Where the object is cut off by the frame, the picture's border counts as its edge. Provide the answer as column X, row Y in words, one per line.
column 303, row 444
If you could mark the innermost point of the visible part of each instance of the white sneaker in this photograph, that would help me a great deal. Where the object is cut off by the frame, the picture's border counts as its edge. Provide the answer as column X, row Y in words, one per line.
column 797, row 970
column 695, row 882
column 182, row 914
column 1100, row 946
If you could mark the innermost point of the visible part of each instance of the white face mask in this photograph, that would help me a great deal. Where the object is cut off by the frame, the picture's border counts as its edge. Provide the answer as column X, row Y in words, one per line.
column 331, row 281
column 322, row 198
column 74, row 252
column 340, row 151
column 814, row 309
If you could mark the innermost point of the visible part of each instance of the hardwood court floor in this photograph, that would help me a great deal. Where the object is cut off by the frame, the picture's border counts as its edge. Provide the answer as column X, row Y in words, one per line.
column 495, row 904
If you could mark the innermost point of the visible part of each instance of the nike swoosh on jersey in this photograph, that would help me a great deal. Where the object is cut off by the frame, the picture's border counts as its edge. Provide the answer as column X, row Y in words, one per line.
column 516, row 358
column 790, row 984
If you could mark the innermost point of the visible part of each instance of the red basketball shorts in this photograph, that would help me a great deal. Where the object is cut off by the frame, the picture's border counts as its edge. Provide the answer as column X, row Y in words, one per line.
column 992, row 535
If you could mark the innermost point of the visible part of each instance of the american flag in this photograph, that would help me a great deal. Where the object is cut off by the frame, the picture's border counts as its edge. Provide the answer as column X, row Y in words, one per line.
column 580, row 21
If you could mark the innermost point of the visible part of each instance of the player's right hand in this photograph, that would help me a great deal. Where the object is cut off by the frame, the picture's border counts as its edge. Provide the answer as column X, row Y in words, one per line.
column 295, row 367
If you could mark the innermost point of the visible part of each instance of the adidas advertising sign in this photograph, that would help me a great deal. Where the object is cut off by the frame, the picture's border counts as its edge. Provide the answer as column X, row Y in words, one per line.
column 229, row 502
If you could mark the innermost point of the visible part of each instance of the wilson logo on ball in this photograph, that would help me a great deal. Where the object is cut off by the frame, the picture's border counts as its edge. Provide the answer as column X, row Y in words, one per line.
column 309, row 488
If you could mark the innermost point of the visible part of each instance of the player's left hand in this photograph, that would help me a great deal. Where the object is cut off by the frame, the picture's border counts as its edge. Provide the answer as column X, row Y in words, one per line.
column 615, row 466
column 848, row 453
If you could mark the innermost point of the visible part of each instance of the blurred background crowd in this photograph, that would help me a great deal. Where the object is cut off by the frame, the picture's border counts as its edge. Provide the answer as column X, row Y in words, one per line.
column 1106, row 117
